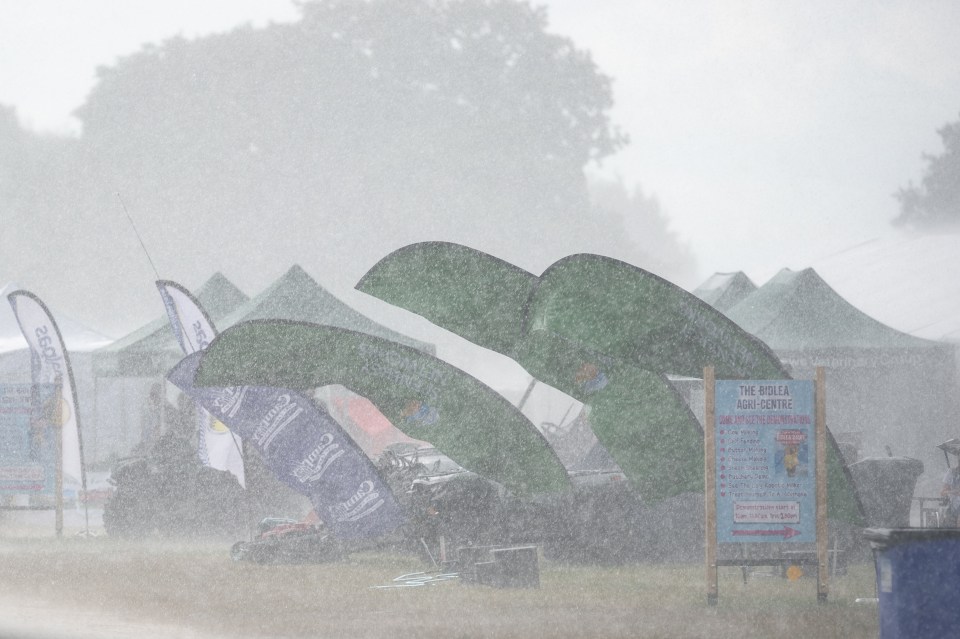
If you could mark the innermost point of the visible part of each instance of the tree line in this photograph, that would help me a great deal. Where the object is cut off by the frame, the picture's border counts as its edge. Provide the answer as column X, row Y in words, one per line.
column 330, row 141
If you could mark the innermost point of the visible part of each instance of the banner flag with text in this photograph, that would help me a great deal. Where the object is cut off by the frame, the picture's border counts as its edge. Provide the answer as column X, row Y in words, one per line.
column 217, row 446
column 305, row 449
column 50, row 364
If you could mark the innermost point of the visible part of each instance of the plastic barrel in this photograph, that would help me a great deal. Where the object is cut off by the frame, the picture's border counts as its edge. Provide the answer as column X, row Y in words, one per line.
column 918, row 581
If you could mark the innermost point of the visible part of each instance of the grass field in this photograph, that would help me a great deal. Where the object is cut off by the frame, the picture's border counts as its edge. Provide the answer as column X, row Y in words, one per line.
column 198, row 589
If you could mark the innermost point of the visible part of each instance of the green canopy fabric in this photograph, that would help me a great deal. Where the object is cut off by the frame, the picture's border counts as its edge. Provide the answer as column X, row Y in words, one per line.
column 606, row 333
column 425, row 397
column 618, row 309
column 636, row 414
column 470, row 293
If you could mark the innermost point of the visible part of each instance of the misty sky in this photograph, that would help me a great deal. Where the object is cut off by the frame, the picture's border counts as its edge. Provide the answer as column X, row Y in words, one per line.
column 773, row 133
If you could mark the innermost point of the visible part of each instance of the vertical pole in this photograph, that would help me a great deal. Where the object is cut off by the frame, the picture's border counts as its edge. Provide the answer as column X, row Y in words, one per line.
column 526, row 393
column 95, row 431
column 249, row 484
column 162, row 419
column 95, row 449
column 58, row 446
column 821, row 475
column 710, row 483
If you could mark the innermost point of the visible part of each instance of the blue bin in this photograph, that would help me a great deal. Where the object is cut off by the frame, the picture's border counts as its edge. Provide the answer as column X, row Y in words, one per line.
column 918, row 581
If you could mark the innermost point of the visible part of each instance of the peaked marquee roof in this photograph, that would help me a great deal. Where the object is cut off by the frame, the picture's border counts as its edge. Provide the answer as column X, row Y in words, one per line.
column 906, row 280
column 153, row 349
column 798, row 310
column 297, row 296
column 723, row 290
column 218, row 295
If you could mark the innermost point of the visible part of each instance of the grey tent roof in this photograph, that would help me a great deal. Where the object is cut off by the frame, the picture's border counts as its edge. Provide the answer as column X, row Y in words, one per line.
column 297, row 296
column 152, row 346
column 724, row 290
column 798, row 310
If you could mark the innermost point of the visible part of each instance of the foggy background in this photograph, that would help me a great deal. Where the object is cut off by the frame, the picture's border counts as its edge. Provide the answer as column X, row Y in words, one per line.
column 242, row 137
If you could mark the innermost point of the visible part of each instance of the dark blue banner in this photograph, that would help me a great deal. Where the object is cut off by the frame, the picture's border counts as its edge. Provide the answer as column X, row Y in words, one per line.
column 305, row 448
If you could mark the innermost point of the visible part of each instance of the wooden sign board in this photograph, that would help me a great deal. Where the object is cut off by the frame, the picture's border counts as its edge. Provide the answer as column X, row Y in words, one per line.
column 765, row 469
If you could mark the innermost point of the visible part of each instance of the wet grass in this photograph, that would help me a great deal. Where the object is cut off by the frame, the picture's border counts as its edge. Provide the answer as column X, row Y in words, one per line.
column 197, row 587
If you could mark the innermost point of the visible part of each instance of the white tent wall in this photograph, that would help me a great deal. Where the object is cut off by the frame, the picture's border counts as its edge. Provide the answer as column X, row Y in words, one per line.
column 889, row 403
column 120, row 405
column 906, row 280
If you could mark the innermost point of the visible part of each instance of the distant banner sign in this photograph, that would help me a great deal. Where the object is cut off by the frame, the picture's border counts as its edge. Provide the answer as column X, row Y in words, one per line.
column 27, row 438
column 766, row 460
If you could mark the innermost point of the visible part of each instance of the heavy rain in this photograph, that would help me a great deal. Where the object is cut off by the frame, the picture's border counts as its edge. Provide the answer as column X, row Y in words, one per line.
column 479, row 318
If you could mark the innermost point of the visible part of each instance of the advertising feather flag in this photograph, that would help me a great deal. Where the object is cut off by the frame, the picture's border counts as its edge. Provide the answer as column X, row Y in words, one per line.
column 217, row 446
column 50, row 364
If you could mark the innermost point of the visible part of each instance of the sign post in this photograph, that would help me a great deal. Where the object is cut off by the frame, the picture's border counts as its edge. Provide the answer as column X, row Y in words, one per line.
column 765, row 470
column 822, row 537
column 710, row 469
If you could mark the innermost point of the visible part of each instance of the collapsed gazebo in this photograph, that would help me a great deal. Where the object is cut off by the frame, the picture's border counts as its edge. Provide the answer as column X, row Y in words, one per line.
column 296, row 296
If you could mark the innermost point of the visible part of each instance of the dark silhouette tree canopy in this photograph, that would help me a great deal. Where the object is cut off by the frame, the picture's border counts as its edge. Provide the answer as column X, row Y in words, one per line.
column 457, row 119
column 34, row 171
column 935, row 204
column 331, row 141
column 664, row 254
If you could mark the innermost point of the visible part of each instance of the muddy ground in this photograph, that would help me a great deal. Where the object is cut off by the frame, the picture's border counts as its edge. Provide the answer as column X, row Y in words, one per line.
column 100, row 587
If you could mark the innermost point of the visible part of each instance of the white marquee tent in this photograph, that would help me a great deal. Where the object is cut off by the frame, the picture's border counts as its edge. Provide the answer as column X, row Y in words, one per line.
column 908, row 281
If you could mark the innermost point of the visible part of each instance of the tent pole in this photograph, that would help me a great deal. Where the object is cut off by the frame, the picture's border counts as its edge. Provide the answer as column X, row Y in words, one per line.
column 58, row 444
column 526, row 394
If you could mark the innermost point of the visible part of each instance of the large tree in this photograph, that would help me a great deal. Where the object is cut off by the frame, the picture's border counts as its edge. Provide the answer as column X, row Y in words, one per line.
column 366, row 125
column 661, row 250
column 935, row 204
column 35, row 170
